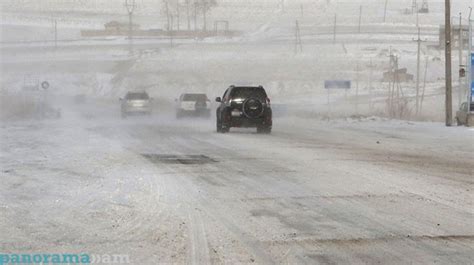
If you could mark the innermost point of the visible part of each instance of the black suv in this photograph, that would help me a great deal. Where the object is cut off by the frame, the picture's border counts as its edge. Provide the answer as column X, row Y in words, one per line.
column 244, row 107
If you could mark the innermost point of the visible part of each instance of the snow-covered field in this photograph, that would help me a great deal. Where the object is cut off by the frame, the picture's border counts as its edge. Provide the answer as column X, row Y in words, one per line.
column 354, row 192
column 337, row 183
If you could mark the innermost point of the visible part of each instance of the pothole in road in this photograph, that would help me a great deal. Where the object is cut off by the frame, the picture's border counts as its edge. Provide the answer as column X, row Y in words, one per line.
column 179, row 159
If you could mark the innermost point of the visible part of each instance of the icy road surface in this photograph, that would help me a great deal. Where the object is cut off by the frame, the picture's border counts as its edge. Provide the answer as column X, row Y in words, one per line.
column 166, row 191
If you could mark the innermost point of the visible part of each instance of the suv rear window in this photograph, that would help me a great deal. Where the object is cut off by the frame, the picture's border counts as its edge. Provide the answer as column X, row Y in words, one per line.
column 247, row 92
column 137, row 96
column 194, row 97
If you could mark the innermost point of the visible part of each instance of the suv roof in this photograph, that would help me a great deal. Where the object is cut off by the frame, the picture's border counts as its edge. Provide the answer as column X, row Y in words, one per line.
column 248, row 91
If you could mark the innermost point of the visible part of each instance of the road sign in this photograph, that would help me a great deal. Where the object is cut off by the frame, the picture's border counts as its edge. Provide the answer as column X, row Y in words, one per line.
column 337, row 84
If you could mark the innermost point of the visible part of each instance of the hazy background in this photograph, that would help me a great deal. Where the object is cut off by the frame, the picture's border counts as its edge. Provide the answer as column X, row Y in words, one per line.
column 262, row 52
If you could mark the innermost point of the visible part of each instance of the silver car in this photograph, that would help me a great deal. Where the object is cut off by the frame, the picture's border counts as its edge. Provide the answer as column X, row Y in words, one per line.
column 193, row 105
column 462, row 114
column 136, row 103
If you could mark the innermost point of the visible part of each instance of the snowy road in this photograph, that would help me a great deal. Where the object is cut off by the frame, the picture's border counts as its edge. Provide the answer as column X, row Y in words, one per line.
column 166, row 191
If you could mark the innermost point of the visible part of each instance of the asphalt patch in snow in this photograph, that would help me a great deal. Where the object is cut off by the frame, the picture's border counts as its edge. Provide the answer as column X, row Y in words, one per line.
column 179, row 159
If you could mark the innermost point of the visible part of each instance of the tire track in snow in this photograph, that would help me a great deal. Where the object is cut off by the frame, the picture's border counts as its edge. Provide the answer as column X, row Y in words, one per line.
column 199, row 247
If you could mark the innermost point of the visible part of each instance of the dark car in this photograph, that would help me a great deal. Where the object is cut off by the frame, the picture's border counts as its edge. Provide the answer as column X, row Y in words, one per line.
column 247, row 107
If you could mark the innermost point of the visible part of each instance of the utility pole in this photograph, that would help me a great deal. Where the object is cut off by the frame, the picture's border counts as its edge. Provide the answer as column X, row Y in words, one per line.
column 418, row 73
column 187, row 15
column 167, row 10
column 55, row 28
column 177, row 16
column 395, row 90
column 398, row 110
column 360, row 17
column 460, row 46
column 469, row 62
column 385, row 11
column 449, row 100
column 204, row 15
column 171, row 32
column 195, row 15
column 424, row 86
column 298, row 43
column 130, row 5
column 391, row 79
column 419, row 41
column 335, row 28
